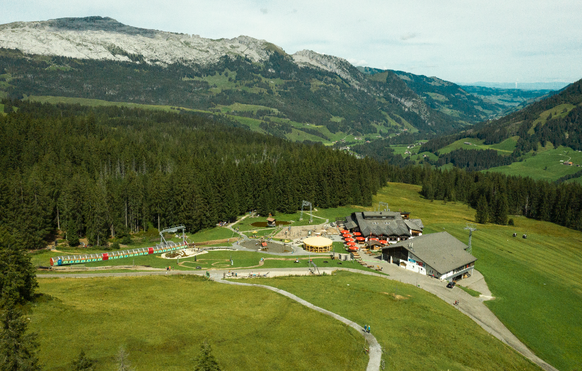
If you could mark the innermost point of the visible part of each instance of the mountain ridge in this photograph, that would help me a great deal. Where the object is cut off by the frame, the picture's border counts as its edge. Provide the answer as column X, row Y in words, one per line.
column 321, row 95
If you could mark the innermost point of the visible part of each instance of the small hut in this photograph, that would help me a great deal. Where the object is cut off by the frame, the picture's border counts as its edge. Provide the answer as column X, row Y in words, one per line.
column 317, row 244
column 271, row 222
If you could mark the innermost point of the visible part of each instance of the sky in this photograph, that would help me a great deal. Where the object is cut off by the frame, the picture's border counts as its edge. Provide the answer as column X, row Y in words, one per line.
column 462, row 41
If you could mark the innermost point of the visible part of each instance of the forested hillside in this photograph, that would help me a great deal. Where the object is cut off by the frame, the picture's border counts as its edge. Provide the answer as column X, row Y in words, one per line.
column 100, row 172
column 497, row 196
column 554, row 121
column 279, row 93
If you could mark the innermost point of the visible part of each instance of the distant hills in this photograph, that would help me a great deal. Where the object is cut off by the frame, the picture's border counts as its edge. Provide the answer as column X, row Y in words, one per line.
column 557, row 85
column 542, row 140
column 300, row 96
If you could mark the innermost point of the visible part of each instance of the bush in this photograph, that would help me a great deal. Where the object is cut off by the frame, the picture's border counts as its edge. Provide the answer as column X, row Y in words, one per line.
column 114, row 246
column 510, row 222
column 126, row 240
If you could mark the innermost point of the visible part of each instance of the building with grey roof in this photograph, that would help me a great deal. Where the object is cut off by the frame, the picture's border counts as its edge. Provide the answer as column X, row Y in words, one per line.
column 389, row 225
column 439, row 255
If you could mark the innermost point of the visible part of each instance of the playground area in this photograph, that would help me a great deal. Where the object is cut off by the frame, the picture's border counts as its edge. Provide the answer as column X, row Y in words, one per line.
column 269, row 246
column 303, row 231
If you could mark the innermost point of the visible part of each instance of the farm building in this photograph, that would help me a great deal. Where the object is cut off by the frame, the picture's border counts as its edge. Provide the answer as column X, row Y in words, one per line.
column 439, row 255
column 386, row 225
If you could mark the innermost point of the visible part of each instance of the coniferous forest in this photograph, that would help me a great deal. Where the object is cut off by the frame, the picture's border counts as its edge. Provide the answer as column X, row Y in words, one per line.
column 108, row 172
column 101, row 172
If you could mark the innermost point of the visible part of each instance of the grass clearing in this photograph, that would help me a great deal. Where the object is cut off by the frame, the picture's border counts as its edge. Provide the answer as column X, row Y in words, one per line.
column 504, row 148
column 546, row 164
column 537, row 281
column 162, row 320
column 417, row 330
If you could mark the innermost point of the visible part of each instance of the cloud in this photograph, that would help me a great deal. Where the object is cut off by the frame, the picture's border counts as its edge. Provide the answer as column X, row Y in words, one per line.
column 408, row 36
column 357, row 62
column 264, row 10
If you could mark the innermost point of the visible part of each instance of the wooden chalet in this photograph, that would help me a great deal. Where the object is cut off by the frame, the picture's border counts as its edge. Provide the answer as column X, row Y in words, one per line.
column 439, row 255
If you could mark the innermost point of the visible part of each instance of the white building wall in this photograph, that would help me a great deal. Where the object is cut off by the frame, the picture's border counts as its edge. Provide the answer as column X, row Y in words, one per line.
column 413, row 264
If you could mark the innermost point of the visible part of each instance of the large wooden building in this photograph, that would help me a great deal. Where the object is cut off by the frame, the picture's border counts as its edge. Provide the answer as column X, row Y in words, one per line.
column 389, row 225
column 439, row 255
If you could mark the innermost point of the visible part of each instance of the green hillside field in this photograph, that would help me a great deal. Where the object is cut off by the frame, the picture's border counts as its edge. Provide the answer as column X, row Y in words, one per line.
column 161, row 321
column 536, row 281
column 546, row 164
column 417, row 330
column 504, row 148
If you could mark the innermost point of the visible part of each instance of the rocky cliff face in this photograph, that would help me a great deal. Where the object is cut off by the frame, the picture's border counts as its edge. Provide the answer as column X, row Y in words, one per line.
column 106, row 39
column 103, row 38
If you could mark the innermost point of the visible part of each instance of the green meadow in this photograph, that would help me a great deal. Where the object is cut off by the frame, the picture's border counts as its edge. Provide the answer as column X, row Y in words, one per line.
column 536, row 281
column 546, row 164
column 504, row 148
column 161, row 321
column 417, row 330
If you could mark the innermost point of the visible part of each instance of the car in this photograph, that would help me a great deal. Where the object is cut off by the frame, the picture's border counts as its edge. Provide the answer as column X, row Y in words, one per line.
column 451, row 284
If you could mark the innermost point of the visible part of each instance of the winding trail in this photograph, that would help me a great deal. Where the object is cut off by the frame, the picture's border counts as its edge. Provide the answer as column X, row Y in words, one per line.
column 375, row 350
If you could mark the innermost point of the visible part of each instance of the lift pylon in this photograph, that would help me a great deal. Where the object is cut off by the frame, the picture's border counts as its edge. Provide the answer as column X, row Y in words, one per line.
column 172, row 230
column 305, row 204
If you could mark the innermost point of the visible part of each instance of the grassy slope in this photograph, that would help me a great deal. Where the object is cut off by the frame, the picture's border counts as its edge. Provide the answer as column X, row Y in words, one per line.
column 545, row 165
column 417, row 330
column 537, row 281
column 162, row 320
column 504, row 148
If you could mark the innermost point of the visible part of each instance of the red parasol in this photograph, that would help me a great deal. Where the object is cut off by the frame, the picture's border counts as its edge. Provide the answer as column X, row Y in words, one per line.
column 349, row 240
column 353, row 248
column 357, row 234
column 361, row 238
column 344, row 231
column 383, row 241
column 374, row 239
column 351, row 244
column 346, row 235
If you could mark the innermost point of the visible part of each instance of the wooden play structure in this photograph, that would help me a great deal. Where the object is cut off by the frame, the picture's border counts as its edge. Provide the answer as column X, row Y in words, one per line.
column 317, row 244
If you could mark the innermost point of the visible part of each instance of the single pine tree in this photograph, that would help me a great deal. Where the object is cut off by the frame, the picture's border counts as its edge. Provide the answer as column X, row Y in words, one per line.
column 482, row 214
column 206, row 360
column 83, row 363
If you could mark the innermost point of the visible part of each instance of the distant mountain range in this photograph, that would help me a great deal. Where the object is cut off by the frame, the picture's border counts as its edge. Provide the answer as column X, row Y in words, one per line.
column 557, row 85
column 300, row 96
